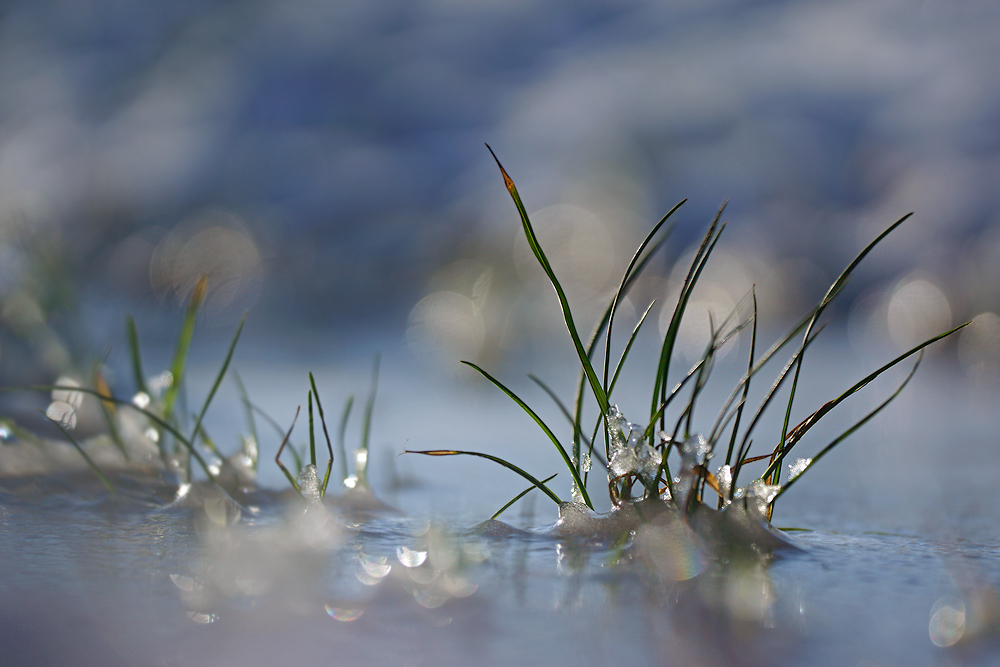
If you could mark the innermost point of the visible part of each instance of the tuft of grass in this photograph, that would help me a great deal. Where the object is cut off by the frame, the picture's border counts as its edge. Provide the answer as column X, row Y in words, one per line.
column 637, row 458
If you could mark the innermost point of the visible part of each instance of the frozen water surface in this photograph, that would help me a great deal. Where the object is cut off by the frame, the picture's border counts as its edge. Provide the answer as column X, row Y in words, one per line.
column 894, row 568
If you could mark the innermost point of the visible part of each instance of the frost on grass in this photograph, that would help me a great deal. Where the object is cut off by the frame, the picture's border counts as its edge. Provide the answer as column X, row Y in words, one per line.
column 630, row 454
column 797, row 468
column 308, row 482
column 758, row 495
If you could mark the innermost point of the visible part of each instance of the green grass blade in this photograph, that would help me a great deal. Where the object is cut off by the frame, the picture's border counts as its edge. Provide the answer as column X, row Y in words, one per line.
column 326, row 434
column 218, row 378
column 519, row 496
column 595, row 384
column 595, row 336
column 277, row 457
column 799, row 431
column 546, row 429
column 183, row 347
column 107, row 413
column 626, row 280
column 744, row 443
column 90, row 461
column 312, row 432
column 248, row 409
column 746, row 385
column 341, row 433
column 152, row 416
column 569, row 417
column 132, row 336
column 757, row 367
column 370, row 405
column 831, row 293
column 690, row 281
column 496, row 459
column 843, row 436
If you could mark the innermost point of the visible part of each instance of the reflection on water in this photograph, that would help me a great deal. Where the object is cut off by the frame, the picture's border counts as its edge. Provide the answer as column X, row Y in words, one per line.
column 152, row 583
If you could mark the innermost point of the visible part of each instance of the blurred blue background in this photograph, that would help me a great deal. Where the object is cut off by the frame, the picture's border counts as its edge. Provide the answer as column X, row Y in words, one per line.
column 323, row 162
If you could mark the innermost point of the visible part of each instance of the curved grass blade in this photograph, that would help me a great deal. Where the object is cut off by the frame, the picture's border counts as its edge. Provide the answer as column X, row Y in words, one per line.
column 90, row 462
column 132, row 336
column 708, row 243
column 843, row 436
column 569, row 417
column 107, row 411
column 152, row 416
column 277, row 457
column 746, row 385
column 799, row 431
column 218, row 379
column 340, row 435
column 183, row 347
column 248, row 409
column 745, row 442
column 519, row 496
column 546, row 429
column 496, row 459
column 626, row 279
column 831, row 293
column 529, row 232
column 370, row 405
column 326, row 434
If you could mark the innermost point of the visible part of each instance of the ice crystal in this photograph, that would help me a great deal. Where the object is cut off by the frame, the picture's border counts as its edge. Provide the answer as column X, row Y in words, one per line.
column 797, row 468
column 630, row 453
column 758, row 495
column 724, row 476
column 309, row 484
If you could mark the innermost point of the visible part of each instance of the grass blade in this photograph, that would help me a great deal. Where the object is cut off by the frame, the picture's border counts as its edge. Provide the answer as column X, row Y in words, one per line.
column 277, row 457
column 132, row 336
column 340, row 435
column 595, row 384
column 90, row 461
column 248, row 409
column 546, row 429
column 843, row 436
column 370, row 405
column 666, row 352
column 218, row 379
column 519, row 496
column 496, row 459
column 183, row 347
column 626, row 279
column 569, row 417
column 152, row 416
column 831, row 293
column 326, row 434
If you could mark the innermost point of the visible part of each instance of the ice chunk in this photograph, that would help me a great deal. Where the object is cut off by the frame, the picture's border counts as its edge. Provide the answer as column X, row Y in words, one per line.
column 73, row 398
column 62, row 413
column 758, row 495
column 797, row 468
column 724, row 476
column 630, row 452
column 141, row 400
column 308, row 481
